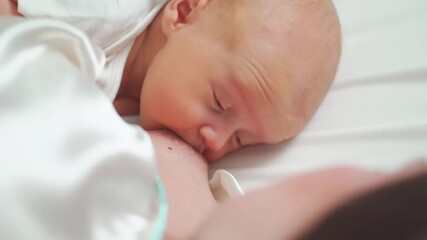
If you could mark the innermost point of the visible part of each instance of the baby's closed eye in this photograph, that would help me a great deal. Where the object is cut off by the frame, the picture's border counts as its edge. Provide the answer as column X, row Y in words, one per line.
column 218, row 103
column 222, row 100
column 238, row 140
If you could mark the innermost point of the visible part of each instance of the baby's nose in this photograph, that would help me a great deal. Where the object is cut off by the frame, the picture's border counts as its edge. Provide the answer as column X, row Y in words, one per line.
column 214, row 140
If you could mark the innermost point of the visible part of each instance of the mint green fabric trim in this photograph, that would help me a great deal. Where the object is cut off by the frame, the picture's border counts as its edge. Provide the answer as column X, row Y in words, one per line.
column 160, row 225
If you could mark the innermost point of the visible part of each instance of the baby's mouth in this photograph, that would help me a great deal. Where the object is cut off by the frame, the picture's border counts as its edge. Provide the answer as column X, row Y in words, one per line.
column 198, row 146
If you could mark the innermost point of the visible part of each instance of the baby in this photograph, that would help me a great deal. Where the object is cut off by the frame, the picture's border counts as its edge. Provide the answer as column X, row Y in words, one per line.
column 221, row 74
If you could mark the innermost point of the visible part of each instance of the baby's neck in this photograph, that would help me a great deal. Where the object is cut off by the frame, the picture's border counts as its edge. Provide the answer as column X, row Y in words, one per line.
column 142, row 53
column 133, row 73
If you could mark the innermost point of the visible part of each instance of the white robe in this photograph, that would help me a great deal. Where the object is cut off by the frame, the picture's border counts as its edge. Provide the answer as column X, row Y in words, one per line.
column 112, row 25
column 70, row 167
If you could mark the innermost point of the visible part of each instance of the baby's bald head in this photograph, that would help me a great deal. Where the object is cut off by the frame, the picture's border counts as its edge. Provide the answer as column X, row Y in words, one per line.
column 239, row 72
column 303, row 37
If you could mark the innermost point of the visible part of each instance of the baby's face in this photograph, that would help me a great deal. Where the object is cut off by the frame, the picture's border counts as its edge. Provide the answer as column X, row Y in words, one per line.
column 216, row 100
column 219, row 96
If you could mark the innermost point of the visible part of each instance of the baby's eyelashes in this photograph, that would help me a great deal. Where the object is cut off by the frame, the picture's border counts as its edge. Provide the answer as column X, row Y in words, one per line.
column 222, row 100
column 218, row 103
column 238, row 140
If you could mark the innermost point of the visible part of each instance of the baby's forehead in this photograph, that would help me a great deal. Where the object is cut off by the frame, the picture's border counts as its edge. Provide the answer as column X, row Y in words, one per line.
column 269, row 113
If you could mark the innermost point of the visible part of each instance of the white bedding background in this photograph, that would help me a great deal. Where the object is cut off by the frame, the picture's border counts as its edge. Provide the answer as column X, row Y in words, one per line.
column 375, row 115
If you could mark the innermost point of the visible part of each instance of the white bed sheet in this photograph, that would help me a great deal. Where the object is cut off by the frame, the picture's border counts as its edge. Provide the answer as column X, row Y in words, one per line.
column 375, row 115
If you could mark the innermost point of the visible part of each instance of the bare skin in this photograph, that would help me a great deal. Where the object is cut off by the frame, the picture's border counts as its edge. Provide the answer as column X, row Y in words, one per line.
column 184, row 173
column 9, row 7
column 289, row 208
column 284, row 210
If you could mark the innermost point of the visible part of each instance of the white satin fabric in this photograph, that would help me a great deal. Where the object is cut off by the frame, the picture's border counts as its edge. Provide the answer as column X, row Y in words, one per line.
column 112, row 25
column 70, row 168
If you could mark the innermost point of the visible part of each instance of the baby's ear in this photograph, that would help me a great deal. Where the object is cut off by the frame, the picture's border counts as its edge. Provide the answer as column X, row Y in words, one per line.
column 178, row 13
